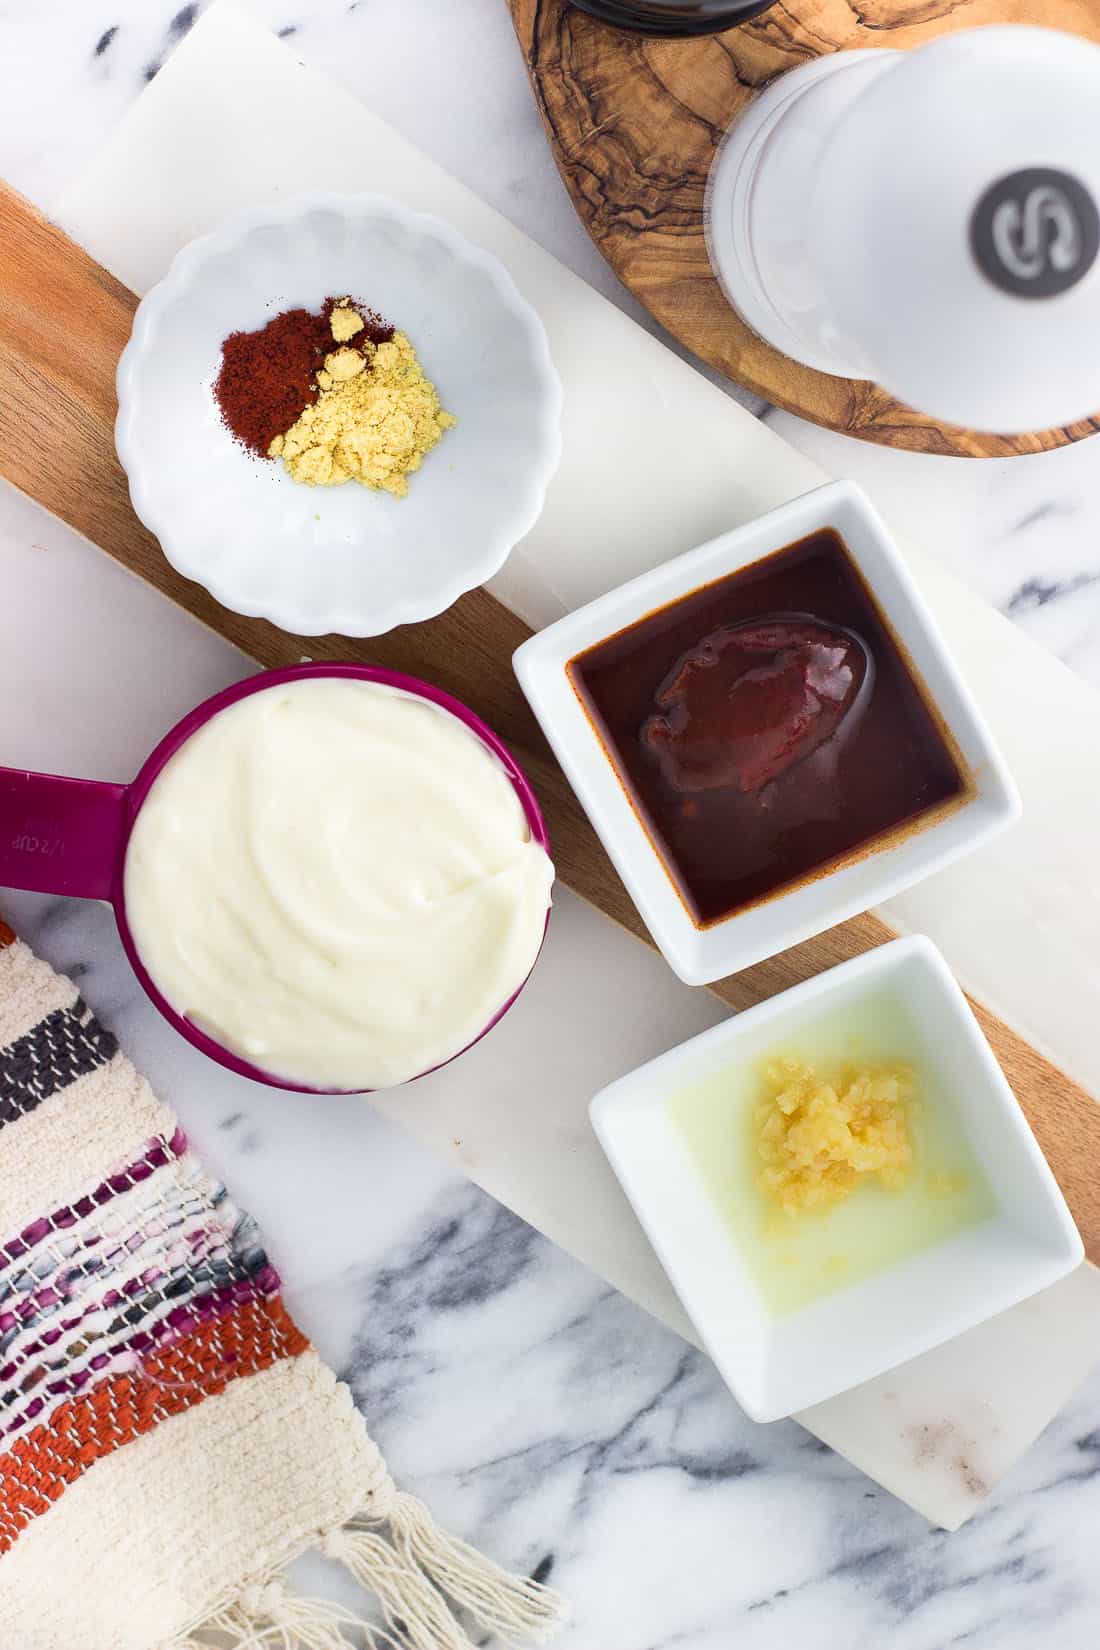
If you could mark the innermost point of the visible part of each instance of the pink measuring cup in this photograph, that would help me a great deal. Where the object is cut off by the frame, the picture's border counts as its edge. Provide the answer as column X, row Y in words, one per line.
column 69, row 836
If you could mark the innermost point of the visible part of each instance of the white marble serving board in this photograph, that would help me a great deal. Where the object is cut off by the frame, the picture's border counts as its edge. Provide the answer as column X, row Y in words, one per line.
column 657, row 459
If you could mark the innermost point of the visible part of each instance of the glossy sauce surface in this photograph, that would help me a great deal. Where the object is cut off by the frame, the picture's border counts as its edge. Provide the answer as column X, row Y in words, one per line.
column 766, row 726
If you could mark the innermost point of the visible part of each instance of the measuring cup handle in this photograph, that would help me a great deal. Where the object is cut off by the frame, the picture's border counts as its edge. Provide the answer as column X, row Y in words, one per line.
column 60, row 836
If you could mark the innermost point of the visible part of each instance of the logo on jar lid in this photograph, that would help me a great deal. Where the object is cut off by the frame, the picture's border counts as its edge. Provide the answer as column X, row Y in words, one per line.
column 1035, row 232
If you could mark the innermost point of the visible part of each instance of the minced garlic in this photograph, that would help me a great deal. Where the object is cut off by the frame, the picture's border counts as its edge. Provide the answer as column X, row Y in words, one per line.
column 818, row 1139
column 376, row 417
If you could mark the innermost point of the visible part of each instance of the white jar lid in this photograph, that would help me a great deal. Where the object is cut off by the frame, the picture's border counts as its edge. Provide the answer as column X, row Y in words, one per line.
column 954, row 223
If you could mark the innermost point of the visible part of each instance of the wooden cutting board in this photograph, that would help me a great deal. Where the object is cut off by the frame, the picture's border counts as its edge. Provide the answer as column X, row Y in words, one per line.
column 63, row 323
column 634, row 124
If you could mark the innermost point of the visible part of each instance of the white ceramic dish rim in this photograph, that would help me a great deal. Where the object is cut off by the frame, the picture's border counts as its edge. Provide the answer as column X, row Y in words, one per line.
column 699, row 956
column 882, row 960
column 177, row 279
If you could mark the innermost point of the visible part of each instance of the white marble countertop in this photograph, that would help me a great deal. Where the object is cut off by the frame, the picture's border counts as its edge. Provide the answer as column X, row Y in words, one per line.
column 538, row 1411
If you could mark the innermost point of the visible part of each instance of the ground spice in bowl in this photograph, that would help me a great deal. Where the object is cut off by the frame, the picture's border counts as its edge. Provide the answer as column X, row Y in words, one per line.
column 375, row 420
column 268, row 377
column 338, row 396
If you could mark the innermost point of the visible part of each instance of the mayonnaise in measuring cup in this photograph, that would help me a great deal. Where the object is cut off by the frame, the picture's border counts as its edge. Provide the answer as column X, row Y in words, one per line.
column 336, row 880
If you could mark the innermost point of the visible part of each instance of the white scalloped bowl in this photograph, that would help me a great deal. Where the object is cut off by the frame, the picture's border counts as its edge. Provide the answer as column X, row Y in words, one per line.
column 343, row 559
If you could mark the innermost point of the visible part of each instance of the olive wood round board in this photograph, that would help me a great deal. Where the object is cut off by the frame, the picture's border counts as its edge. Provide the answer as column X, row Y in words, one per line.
column 633, row 124
column 64, row 458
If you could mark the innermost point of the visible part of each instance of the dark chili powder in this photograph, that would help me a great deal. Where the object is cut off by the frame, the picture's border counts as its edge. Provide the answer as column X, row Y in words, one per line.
column 268, row 377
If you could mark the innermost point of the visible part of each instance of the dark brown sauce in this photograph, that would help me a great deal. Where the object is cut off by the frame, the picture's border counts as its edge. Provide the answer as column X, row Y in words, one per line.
column 766, row 726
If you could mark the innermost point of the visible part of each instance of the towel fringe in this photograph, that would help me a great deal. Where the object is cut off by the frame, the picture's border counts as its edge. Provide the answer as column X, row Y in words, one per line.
column 407, row 1597
column 408, row 1574
column 513, row 1607
column 270, row 1616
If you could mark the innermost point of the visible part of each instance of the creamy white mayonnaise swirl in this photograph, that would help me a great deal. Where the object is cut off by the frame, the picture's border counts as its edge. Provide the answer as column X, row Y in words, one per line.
column 336, row 880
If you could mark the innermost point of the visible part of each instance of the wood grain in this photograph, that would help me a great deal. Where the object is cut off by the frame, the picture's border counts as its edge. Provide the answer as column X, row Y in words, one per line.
column 57, row 406
column 633, row 124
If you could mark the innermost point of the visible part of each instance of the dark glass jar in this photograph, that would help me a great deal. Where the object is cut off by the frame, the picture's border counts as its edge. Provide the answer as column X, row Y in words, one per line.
column 674, row 18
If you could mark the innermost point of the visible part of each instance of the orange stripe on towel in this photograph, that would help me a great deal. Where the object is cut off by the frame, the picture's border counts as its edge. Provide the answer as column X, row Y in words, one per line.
column 7, row 937
column 41, row 1464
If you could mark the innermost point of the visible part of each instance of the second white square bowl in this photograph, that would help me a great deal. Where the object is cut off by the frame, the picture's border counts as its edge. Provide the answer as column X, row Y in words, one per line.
column 777, row 1365
column 699, row 955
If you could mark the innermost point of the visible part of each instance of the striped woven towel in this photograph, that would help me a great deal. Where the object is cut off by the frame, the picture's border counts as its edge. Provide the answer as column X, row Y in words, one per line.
column 169, row 1439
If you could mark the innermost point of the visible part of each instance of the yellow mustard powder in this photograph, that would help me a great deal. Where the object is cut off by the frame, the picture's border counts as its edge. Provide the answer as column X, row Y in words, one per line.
column 818, row 1139
column 376, row 417
column 345, row 323
column 340, row 366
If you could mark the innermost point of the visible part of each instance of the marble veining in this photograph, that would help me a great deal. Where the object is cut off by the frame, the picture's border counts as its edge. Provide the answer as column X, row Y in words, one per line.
column 538, row 1410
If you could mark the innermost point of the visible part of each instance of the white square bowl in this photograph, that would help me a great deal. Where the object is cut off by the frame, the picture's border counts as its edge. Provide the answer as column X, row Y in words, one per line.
column 775, row 1365
column 699, row 955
